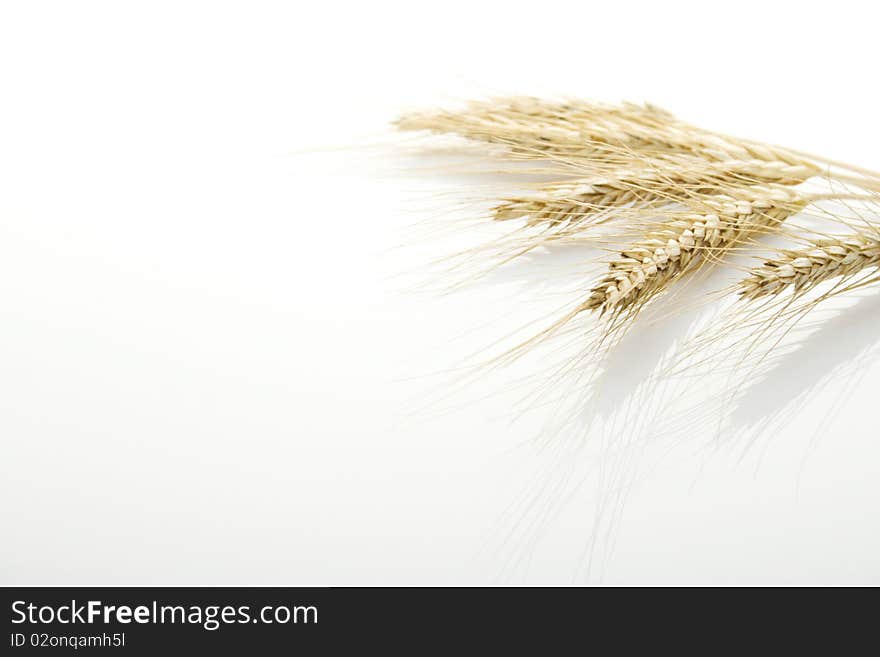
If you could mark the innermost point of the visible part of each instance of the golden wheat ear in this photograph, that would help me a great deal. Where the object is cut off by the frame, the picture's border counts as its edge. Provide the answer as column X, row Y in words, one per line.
column 686, row 242
column 581, row 136
column 580, row 132
column 803, row 269
column 531, row 128
column 653, row 185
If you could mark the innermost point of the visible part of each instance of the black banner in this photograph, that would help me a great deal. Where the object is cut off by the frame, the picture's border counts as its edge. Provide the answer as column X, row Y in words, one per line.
column 413, row 620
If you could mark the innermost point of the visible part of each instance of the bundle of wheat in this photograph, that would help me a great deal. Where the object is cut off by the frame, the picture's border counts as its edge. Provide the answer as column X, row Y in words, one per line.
column 692, row 195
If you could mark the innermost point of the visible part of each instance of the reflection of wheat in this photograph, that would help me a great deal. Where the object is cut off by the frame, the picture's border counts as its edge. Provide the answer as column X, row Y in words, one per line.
column 803, row 269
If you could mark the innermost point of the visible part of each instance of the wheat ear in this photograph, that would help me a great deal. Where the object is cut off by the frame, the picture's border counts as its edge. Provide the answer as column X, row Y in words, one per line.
column 681, row 244
column 803, row 269
column 530, row 128
column 576, row 201
column 576, row 132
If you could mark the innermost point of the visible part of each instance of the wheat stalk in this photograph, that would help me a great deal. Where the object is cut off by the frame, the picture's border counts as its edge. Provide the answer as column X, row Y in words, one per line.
column 803, row 269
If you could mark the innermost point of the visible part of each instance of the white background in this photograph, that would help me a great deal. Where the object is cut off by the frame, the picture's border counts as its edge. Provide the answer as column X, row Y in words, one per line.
column 210, row 373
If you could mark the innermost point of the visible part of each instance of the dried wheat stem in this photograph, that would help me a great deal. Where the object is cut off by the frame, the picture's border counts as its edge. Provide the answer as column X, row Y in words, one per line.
column 803, row 269
column 681, row 245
